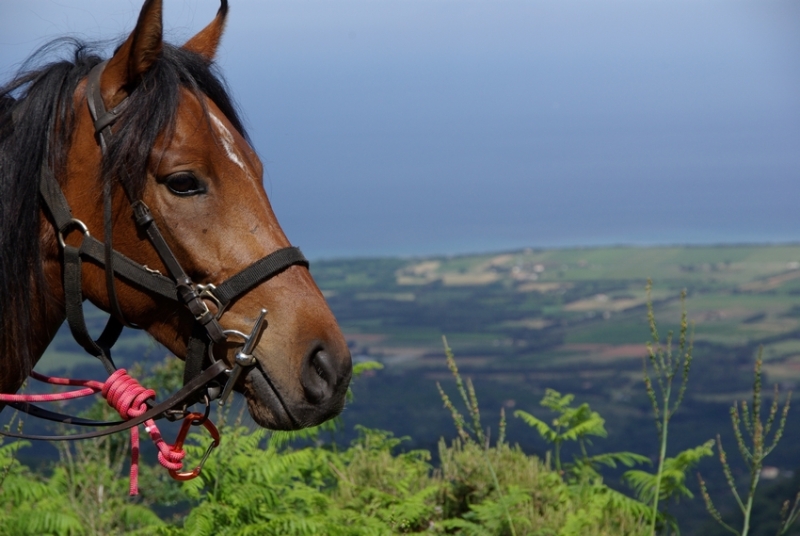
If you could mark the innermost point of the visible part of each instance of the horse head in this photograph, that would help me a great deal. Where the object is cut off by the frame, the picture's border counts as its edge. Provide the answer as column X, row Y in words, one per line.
column 178, row 147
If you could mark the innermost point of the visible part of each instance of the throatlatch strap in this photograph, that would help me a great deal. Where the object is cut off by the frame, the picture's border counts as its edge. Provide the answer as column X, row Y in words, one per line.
column 57, row 205
column 108, row 257
column 73, row 301
column 103, row 121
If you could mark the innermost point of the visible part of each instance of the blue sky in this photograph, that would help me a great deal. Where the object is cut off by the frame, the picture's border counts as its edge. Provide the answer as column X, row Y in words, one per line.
column 441, row 126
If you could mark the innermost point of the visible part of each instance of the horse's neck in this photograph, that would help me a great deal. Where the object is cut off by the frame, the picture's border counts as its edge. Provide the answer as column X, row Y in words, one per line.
column 48, row 312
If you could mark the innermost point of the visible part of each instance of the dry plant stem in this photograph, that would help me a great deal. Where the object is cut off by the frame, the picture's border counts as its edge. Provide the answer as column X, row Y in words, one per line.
column 458, row 419
column 665, row 367
column 749, row 418
column 711, row 508
column 471, row 401
column 501, row 437
column 788, row 517
column 662, row 455
column 467, row 394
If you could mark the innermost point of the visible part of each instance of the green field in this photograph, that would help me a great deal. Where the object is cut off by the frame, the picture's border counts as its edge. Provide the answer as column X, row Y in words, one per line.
column 525, row 304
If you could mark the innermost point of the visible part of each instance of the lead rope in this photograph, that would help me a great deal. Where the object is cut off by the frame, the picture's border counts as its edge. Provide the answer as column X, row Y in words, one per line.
column 127, row 396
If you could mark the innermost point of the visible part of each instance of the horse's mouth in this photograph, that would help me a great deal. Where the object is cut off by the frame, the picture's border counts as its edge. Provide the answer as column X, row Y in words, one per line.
column 265, row 403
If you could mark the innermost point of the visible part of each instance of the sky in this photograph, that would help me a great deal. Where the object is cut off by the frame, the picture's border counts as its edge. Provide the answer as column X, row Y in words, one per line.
column 421, row 127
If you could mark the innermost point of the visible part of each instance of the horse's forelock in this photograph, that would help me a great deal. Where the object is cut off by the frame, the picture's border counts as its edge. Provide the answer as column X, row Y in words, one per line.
column 153, row 108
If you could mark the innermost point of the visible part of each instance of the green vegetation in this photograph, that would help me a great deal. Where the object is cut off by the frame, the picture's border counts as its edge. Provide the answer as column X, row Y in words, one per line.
column 257, row 483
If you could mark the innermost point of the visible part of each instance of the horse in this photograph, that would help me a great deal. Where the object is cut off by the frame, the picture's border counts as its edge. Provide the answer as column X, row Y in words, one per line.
column 147, row 151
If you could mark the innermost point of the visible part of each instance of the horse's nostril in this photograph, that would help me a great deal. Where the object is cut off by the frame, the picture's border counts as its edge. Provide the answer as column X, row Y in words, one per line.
column 321, row 361
column 314, row 382
column 320, row 376
column 318, row 368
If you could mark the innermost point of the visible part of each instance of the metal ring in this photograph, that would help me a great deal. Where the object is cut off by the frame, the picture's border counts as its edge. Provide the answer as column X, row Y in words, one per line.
column 72, row 222
column 235, row 332
column 225, row 332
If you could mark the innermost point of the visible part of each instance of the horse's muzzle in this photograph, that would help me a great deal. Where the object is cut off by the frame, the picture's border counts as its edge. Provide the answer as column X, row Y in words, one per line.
column 324, row 379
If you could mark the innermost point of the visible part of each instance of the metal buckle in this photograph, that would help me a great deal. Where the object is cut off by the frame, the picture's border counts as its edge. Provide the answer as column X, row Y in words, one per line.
column 244, row 357
column 193, row 419
column 73, row 222
column 206, row 292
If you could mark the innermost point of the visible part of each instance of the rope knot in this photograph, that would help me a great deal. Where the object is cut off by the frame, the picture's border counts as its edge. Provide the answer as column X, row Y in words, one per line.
column 128, row 397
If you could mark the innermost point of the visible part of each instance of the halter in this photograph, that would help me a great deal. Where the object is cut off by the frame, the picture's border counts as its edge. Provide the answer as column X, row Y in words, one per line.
column 201, row 370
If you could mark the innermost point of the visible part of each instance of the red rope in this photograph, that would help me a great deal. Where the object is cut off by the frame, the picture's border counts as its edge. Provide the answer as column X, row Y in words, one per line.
column 125, row 395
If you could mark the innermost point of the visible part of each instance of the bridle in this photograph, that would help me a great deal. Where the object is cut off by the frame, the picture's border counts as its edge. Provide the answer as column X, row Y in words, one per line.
column 201, row 371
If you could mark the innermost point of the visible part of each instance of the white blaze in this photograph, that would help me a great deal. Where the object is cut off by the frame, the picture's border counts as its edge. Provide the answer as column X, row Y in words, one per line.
column 228, row 143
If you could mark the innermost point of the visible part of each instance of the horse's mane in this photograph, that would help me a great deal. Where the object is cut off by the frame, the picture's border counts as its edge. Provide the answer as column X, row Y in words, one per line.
column 36, row 121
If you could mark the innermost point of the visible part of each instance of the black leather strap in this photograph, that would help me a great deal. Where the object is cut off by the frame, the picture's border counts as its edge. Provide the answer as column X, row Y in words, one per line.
column 183, row 283
column 259, row 271
column 103, row 119
column 197, row 350
column 73, row 301
column 130, row 270
column 54, row 199
column 42, row 413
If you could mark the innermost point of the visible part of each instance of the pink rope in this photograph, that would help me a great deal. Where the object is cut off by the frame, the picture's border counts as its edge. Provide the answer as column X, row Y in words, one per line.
column 125, row 395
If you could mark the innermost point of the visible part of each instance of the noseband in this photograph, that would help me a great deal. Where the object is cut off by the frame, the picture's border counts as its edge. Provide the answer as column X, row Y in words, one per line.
column 201, row 370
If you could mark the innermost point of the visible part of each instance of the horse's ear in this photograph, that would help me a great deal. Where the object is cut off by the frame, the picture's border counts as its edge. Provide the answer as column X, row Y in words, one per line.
column 206, row 41
column 136, row 55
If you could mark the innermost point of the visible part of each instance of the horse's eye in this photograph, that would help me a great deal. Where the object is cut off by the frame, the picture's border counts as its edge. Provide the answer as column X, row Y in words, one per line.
column 184, row 184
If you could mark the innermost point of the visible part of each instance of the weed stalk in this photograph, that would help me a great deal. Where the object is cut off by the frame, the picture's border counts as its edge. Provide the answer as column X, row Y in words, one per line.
column 665, row 367
column 471, row 402
column 749, row 418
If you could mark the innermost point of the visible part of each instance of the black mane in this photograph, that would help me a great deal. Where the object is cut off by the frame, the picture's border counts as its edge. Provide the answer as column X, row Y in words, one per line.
column 37, row 105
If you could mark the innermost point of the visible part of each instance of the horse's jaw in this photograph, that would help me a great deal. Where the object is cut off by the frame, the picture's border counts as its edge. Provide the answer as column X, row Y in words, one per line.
column 265, row 403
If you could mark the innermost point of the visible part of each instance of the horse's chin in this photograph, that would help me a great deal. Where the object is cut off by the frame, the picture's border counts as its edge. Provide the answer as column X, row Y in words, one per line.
column 265, row 404
column 269, row 408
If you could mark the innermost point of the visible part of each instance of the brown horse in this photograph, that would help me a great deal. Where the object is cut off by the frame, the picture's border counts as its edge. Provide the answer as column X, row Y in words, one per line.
column 178, row 147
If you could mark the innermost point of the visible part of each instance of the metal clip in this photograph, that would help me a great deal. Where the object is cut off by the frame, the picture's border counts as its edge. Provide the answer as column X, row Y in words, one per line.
column 244, row 357
column 188, row 422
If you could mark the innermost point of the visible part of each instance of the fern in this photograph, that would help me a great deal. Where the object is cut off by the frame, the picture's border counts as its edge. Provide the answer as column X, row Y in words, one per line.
column 672, row 476
column 570, row 424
